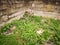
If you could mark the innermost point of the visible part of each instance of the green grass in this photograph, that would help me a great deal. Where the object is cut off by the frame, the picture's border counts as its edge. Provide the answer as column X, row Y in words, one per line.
column 27, row 28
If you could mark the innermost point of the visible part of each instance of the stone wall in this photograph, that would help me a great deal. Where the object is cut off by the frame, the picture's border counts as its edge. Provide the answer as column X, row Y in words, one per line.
column 9, row 9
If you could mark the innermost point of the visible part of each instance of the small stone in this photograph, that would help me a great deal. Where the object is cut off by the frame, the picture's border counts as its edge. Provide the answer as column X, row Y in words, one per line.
column 40, row 31
column 4, row 18
column 12, row 27
column 7, row 33
column 33, row 5
column 30, row 12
